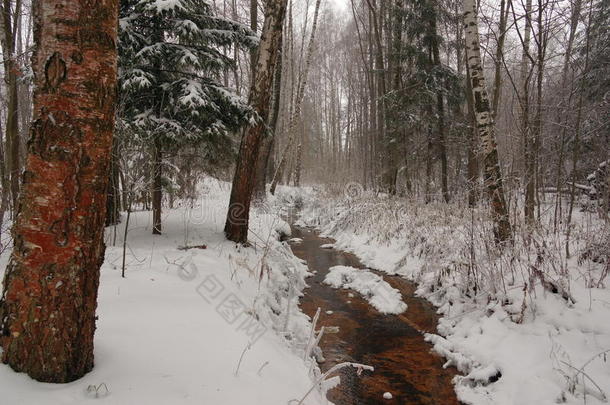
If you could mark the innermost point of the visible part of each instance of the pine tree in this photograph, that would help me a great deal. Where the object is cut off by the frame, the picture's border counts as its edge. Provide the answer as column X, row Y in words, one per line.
column 597, row 79
column 596, row 87
column 170, row 64
column 429, row 84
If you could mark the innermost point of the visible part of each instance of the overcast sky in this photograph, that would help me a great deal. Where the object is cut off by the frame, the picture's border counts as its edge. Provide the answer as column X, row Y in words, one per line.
column 342, row 4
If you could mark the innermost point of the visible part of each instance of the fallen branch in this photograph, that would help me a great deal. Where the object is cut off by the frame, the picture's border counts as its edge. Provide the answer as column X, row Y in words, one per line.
column 192, row 247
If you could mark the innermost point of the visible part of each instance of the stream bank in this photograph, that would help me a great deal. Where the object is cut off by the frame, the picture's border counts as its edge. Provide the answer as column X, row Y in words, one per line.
column 393, row 344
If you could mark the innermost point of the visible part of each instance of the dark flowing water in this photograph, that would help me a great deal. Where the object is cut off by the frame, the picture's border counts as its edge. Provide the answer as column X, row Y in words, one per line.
column 393, row 344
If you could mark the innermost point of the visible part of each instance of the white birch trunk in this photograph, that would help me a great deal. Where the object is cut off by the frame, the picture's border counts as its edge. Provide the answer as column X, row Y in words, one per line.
column 485, row 125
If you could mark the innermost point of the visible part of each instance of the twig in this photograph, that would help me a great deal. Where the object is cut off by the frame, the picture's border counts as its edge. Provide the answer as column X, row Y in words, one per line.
column 248, row 347
column 311, row 335
column 260, row 370
column 581, row 371
column 359, row 367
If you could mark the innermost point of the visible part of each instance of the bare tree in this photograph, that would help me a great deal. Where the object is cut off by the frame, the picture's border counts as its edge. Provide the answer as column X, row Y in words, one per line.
column 236, row 227
column 9, row 24
column 296, row 115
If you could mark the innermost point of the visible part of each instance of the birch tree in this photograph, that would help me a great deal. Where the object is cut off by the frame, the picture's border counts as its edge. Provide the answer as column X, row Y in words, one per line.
column 485, row 125
column 47, row 311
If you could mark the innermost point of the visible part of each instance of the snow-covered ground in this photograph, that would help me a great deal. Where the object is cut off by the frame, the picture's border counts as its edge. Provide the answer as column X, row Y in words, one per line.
column 210, row 326
column 524, row 325
column 195, row 326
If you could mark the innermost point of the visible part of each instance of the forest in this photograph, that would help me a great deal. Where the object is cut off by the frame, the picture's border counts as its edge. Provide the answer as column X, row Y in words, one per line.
column 305, row 202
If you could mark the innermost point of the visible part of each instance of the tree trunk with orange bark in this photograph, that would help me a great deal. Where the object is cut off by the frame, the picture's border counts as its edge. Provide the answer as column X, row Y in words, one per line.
column 47, row 320
column 236, row 227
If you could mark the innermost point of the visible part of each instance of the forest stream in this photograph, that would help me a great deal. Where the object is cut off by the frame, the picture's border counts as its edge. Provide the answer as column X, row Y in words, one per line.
column 394, row 345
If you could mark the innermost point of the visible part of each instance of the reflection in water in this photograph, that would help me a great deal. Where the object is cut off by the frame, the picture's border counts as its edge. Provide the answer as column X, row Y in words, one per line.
column 394, row 345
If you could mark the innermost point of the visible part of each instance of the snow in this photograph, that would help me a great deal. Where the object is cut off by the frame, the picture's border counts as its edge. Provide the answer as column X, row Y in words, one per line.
column 513, row 340
column 137, row 78
column 375, row 290
column 167, row 334
column 192, row 91
column 165, row 5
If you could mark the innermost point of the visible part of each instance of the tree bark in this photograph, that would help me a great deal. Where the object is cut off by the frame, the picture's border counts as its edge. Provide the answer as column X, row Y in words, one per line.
column 429, row 160
column 236, row 226
column 577, row 129
column 440, row 109
column 5, row 195
column 253, row 27
column 499, row 56
column 541, row 44
column 262, row 163
column 157, row 191
column 528, row 148
column 50, row 287
column 564, row 113
column 485, row 125
column 298, row 165
column 473, row 159
column 388, row 159
column 113, row 198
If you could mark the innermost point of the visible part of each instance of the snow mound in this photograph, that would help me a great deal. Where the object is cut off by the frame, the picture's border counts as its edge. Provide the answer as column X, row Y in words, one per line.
column 377, row 292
